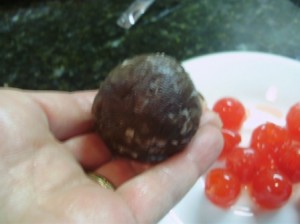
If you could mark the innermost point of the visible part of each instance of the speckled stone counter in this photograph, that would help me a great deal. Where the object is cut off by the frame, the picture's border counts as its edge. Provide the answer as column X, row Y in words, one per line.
column 72, row 45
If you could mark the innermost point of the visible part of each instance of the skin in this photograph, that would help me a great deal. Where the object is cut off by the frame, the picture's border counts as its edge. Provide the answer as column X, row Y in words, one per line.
column 48, row 145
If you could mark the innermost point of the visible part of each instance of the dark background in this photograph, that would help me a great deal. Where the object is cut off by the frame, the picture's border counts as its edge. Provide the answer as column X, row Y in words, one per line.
column 72, row 45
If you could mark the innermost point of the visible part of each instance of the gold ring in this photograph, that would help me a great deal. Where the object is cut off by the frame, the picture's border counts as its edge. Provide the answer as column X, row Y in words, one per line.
column 102, row 181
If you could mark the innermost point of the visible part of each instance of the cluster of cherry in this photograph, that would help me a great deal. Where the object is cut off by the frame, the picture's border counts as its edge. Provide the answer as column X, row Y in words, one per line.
column 268, row 168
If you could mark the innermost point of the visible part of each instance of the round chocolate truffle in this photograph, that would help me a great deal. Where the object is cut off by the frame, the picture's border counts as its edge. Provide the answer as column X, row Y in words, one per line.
column 147, row 108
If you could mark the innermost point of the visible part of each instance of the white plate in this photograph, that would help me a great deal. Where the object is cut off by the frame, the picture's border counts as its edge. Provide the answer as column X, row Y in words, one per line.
column 267, row 85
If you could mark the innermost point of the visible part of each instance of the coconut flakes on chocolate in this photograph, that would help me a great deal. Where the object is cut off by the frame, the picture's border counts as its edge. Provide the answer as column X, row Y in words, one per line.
column 147, row 108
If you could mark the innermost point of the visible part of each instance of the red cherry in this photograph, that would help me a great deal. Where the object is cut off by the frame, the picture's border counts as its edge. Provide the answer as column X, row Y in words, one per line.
column 231, row 112
column 288, row 161
column 231, row 140
column 267, row 162
column 270, row 189
column 243, row 162
column 222, row 187
column 270, row 165
column 268, row 138
column 293, row 121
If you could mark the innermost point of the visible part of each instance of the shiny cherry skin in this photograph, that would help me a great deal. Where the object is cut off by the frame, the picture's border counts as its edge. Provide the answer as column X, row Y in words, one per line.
column 243, row 162
column 231, row 140
column 231, row 111
column 270, row 189
column 288, row 161
column 222, row 187
column 268, row 138
column 293, row 121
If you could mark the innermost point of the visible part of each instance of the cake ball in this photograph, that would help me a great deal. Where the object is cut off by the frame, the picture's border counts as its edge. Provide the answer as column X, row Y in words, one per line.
column 147, row 108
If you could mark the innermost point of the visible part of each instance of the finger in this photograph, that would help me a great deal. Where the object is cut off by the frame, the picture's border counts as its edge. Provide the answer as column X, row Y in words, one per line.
column 89, row 150
column 117, row 171
column 211, row 118
column 68, row 114
column 120, row 170
column 163, row 186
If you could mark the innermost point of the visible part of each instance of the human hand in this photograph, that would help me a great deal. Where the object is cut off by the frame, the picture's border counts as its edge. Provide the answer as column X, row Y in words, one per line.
column 48, row 144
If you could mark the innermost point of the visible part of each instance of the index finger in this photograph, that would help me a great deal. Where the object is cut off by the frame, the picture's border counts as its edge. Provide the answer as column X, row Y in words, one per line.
column 161, row 187
column 68, row 113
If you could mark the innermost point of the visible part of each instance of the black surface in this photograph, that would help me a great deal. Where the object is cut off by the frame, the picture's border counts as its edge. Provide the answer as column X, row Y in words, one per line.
column 71, row 45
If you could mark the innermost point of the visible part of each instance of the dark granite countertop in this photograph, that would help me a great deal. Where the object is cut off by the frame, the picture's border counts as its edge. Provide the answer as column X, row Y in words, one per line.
column 71, row 45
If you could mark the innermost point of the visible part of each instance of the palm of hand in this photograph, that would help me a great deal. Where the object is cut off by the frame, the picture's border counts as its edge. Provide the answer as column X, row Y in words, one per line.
column 48, row 143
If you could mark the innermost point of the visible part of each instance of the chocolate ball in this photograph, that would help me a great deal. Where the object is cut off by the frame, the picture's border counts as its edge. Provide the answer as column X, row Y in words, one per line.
column 147, row 108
